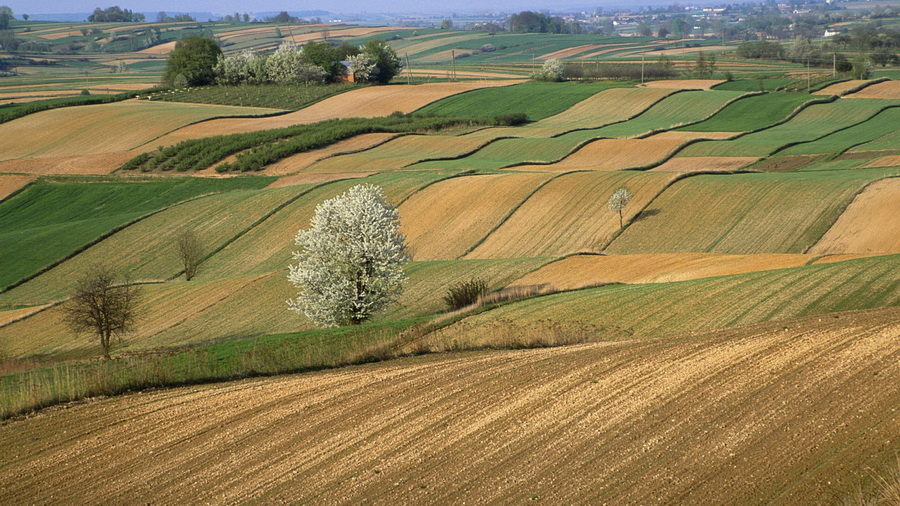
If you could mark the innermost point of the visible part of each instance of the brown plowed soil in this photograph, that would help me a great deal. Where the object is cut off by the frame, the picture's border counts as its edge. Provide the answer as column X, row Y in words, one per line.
column 837, row 89
column 788, row 413
column 11, row 183
column 705, row 163
column 100, row 163
column 869, row 225
column 612, row 154
column 588, row 270
column 886, row 89
column 885, row 161
column 362, row 103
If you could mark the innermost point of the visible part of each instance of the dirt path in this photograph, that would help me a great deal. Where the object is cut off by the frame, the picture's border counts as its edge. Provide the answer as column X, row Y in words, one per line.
column 788, row 412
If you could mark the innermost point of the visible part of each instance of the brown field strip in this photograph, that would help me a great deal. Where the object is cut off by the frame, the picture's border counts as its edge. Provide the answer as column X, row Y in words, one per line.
column 886, row 89
column 839, row 88
column 612, row 154
column 105, row 128
column 705, row 163
column 299, row 179
column 10, row 315
column 368, row 102
column 300, row 161
column 684, row 84
column 10, row 183
column 400, row 152
column 870, row 225
column 337, row 34
column 572, row 51
column 159, row 49
column 687, row 50
column 569, row 215
column 101, row 163
column 427, row 45
column 587, row 270
column 684, row 420
column 885, row 161
column 443, row 221
column 266, row 30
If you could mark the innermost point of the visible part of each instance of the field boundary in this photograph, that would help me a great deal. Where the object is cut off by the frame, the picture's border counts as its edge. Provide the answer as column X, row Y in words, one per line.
column 460, row 156
column 797, row 143
column 844, row 210
column 642, row 111
column 864, row 86
column 512, row 211
column 101, row 238
column 18, row 191
column 433, row 182
column 651, row 133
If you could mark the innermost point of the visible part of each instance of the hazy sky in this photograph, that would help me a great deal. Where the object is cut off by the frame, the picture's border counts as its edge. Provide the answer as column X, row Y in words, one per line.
column 228, row 6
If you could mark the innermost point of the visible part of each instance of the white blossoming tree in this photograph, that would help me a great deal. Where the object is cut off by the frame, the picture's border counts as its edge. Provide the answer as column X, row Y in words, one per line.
column 552, row 70
column 350, row 264
column 617, row 202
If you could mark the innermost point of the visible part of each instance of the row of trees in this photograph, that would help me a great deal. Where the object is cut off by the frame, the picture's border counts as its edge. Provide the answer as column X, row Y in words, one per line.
column 803, row 51
column 115, row 14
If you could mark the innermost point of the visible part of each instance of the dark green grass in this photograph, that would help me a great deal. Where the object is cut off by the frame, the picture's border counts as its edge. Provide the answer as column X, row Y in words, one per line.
column 49, row 221
column 770, row 84
column 883, row 123
column 751, row 113
column 275, row 96
column 532, row 99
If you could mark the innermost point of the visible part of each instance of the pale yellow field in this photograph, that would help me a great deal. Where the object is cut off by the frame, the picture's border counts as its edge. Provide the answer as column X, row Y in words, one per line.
column 870, row 225
column 885, row 161
column 688, row 50
column 565, row 53
column 300, row 161
column 10, row 315
column 400, row 152
column 684, row 84
column 298, row 179
column 840, row 88
column 368, row 102
column 444, row 220
column 569, row 215
column 587, row 270
column 830, row 259
column 101, row 163
column 105, row 128
column 705, row 163
column 887, row 89
column 159, row 49
column 10, row 183
column 612, row 154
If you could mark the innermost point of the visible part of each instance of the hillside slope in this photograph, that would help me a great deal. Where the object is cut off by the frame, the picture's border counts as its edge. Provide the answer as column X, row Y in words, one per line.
column 685, row 420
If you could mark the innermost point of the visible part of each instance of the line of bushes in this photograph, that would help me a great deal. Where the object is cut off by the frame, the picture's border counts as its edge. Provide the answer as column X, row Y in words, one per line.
column 255, row 150
column 14, row 111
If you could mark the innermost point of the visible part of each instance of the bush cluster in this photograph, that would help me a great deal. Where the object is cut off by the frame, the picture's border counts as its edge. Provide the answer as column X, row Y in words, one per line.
column 465, row 293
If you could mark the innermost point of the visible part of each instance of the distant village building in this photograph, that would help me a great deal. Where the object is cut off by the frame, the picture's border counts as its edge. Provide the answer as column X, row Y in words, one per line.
column 831, row 33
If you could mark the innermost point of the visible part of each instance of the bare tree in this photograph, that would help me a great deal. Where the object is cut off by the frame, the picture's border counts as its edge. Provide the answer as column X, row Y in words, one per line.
column 103, row 306
column 617, row 203
column 190, row 251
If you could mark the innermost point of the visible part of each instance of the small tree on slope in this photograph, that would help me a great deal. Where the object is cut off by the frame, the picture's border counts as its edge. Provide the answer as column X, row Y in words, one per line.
column 350, row 265
column 102, row 306
column 617, row 203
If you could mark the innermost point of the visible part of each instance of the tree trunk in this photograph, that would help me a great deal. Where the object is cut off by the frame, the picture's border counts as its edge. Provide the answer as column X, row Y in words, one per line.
column 621, row 223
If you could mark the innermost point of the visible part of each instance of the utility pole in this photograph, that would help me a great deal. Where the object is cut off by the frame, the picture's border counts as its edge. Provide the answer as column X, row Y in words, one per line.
column 642, row 66
column 834, row 65
column 453, row 65
column 807, row 74
column 408, row 70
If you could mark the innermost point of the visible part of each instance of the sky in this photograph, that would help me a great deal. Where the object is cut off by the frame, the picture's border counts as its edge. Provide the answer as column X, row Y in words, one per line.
column 338, row 6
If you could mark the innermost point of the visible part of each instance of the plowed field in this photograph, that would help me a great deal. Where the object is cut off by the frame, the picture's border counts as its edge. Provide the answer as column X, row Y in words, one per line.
column 104, row 128
column 101, row 163
column 615, row 154
column 361, row 103
column 586, row 270
column 839, row 88
column 684, row 84
column 885, row 161
column 443, row 221
column 400, row 152
column 11, row 183
column 684, row 421
column 869, row 225
column 705, row 163
column 887, row 89
column 569, row 215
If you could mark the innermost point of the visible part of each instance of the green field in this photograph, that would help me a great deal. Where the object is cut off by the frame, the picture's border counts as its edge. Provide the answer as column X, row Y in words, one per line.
column 53, row 220
column 508, row 152
column 763, row 84
column 751, row 113
column 883, row 123
column 689, row 306
column 744, row 213
column 527, row 98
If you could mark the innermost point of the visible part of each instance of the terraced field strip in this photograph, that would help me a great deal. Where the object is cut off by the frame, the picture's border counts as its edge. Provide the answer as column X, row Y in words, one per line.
column 268, row 247
column 665, row 309
column 147, row 249
column 705, row 164
column 559, row 424
column 869, row 225
column 687, row 50
column 526, row 98
column 599, row 110
column 744, row 213
column 885, row 161
column 673, row 111
column 301, row 161
column 89, row 129
column 811, row 123
column 887, row 142
column 840, row 88
column 11, row 183
column 751, row 113
column 368, row 102
column 399, row 153
column 8, row 316
column 886, row 90
column 684, row 84
column 883, row 123
column 579, row 271
column 569, row 215
column 48, row 222
column 572, row 51
column 95, row 164
column 446, row 219
column 420, row 49
column 508, row 152
column 341, row 33
column 613, row 154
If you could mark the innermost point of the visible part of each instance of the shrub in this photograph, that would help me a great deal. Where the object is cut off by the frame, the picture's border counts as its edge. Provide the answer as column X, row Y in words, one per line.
column 513, row 119
column 465, row 293
column 85, row 92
